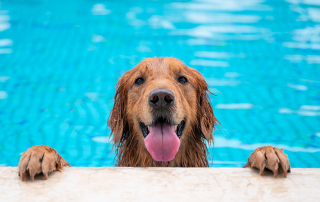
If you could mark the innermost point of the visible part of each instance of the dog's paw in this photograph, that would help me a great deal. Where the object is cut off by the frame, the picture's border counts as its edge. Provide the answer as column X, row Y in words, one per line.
column 40, row 159
column 269, row 158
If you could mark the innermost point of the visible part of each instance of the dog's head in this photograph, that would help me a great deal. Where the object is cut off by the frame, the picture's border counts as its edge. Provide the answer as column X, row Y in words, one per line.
column 161, row 103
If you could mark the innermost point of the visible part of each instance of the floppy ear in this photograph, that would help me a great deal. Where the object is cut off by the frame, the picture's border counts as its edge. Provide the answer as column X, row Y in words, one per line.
column 206, row 118
column 118, row 115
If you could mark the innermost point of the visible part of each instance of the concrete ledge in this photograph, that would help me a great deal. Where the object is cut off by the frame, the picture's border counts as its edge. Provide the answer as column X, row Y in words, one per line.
column 161, row 184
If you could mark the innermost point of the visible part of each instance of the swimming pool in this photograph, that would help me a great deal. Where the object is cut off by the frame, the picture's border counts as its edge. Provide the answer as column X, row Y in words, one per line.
column 60, row 61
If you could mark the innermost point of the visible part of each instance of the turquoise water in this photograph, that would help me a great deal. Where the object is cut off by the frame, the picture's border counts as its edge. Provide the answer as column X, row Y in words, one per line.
column 60, row 61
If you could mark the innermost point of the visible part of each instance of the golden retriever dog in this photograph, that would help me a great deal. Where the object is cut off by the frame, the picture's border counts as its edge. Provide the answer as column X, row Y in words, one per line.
column 161, row 117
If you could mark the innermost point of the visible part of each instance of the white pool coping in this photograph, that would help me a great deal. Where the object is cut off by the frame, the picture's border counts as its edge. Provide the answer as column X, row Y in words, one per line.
column 161, row 184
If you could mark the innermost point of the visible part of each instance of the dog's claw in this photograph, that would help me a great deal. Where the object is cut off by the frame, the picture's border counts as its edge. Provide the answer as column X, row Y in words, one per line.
column 45, row 176
column 40, row 159
column 23, row 177
column 262, row 169
column 270, row 158
column 32, row 173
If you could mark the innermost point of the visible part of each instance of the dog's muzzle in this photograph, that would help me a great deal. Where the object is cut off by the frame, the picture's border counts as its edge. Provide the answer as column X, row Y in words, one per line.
column 162, row 135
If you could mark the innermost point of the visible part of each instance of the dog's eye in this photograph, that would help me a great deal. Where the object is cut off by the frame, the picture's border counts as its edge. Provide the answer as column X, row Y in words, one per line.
column 183, row 79
column 139, row 81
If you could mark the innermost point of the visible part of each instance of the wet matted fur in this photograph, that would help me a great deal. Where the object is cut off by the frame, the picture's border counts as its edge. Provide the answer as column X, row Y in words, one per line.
column 191, row 103
column 143, row 130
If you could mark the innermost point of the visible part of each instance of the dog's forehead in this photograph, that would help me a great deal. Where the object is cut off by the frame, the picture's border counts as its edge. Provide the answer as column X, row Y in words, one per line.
column 161, row 66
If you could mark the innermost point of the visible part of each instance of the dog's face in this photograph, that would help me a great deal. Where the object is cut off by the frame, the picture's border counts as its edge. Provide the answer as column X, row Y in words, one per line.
column 162, row 103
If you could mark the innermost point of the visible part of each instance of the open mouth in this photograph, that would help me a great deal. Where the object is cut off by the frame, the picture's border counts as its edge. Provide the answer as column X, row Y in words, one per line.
column 162, row 138
column 178, row 128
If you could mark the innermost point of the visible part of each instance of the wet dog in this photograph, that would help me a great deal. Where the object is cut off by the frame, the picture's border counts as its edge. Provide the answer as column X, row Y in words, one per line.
column 161, row 117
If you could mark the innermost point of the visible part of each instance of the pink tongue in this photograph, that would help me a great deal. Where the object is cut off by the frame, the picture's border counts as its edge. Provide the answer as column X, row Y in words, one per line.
column 162, row 142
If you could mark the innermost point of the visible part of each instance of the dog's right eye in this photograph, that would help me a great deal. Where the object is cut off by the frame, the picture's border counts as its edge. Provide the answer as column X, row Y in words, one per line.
column 183, row 80
column 139, row 81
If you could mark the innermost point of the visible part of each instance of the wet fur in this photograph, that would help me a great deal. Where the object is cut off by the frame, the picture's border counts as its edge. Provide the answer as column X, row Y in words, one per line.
column 127, row 137
column 131, row 107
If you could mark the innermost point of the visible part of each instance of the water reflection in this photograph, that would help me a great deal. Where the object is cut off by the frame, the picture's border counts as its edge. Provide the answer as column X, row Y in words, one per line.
column 4, row 25
column 4, row 46
column 307, row 38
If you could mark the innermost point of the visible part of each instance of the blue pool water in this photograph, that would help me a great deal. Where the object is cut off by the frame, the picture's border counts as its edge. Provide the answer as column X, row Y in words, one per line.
column 60, row 61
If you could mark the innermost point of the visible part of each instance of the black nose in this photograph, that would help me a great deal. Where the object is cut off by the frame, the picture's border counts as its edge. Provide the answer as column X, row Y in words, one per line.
column 161, row 98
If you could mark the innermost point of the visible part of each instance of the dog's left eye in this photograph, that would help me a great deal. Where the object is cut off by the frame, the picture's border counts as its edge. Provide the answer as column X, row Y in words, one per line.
column 139, row 81
column 183, row 79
